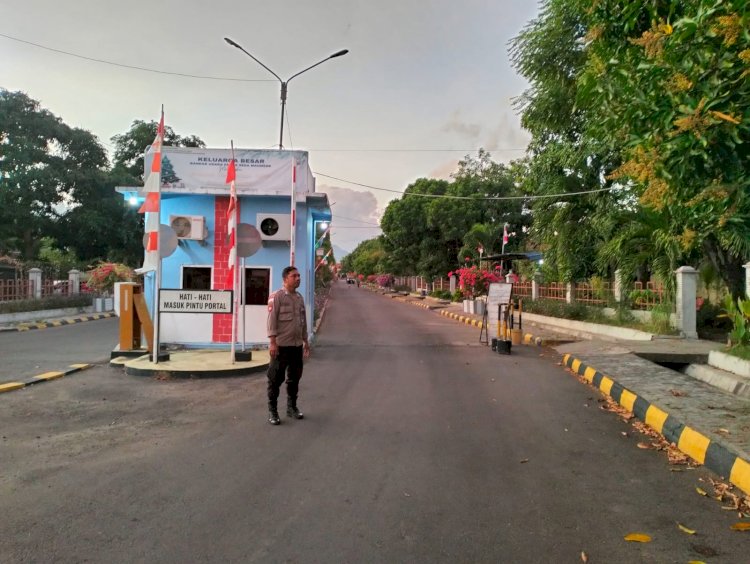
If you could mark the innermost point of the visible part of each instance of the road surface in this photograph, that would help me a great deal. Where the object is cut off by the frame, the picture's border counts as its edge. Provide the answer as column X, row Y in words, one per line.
column 418, row 445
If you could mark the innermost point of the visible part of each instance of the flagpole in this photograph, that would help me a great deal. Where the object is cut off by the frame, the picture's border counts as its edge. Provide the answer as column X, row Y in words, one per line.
column 235, row 273
column 244, row 300
column 157, row 277
column 292, row 237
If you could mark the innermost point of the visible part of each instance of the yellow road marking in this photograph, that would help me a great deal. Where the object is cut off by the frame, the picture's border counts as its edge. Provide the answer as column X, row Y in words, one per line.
column 49, row 376
column 10, row 386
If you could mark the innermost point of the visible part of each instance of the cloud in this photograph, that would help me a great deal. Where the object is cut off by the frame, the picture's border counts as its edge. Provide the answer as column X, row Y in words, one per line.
column 455, row 125
column 353, row 212
column 507, row 140
column 444, row 171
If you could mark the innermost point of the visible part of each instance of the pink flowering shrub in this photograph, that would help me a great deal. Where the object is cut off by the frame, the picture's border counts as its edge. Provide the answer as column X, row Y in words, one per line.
column 102, row 278
column 385, row 280
column 474, row 281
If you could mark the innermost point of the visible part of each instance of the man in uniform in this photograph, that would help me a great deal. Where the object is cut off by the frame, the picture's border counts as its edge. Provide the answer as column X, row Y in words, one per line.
column 287, row 331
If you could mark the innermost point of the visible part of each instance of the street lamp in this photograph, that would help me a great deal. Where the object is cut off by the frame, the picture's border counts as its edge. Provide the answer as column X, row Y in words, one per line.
column 284, row 83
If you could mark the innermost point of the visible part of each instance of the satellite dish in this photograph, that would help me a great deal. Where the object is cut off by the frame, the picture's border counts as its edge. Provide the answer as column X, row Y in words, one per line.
column 248, row 240
column 167, row 238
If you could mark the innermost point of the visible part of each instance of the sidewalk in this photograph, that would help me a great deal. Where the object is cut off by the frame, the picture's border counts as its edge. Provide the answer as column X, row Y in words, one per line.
column 708, row 424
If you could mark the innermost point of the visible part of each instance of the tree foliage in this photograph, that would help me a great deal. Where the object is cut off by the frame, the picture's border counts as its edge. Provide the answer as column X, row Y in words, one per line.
column 430, row 229
column 648, row 98
column 368, row 258
column 57, row 196
column 131, row 145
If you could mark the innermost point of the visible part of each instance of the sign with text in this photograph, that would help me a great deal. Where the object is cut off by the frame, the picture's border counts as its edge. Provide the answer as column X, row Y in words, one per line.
column 498, row 294
column 195, row 301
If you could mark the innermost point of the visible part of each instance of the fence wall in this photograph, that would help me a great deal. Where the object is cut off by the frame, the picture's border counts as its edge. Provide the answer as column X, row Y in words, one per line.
column 35, row 286
column 645, row 295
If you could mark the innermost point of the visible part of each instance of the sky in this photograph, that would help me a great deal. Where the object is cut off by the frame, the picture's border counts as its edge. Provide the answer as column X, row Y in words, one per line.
column 424, row 84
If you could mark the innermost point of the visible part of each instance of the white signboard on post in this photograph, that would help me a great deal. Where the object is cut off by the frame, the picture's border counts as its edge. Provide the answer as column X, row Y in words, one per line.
column 195, row 301
column 499, row 293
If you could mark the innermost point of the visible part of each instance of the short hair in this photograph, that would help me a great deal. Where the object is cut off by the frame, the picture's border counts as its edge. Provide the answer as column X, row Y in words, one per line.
column 286, row 271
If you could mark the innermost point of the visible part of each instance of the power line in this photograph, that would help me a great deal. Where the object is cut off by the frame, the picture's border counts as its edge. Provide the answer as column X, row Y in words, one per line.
column 84, row 57
column 486, row 198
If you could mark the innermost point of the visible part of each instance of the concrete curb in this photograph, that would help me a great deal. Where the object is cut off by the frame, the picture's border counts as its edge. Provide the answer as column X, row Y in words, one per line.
column 46, row 377
column 58, row 323
column 710, row 453
column 462, row 319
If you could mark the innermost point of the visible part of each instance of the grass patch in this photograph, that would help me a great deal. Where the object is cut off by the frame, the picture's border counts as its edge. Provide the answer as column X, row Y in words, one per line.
column 659, row 323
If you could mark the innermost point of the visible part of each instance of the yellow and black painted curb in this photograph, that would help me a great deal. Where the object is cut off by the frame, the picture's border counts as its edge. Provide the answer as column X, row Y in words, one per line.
column 60, row 322
column 39, row 378
column 463, row 319
column 711, row 454
column 529, row 339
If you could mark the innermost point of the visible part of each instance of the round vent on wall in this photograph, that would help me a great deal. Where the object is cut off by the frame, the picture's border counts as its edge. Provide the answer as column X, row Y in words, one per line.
column 269, row 226
column 182, row 226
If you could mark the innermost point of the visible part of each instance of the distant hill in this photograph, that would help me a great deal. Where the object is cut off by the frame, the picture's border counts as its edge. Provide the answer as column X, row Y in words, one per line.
column 339, row 253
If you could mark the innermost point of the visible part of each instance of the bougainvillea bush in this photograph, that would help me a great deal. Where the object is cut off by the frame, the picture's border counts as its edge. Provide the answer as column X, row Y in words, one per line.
column 474, row 281
column 102, row 278
column 385, row 280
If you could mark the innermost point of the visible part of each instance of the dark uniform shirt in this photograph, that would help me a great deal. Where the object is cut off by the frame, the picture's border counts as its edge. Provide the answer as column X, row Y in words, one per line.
column 286, row 318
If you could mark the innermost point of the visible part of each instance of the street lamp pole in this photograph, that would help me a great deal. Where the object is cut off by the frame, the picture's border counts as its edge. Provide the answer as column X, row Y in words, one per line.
column 284, row 83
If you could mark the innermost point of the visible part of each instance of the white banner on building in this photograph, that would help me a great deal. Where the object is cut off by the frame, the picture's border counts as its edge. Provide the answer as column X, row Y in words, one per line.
column 259, row 172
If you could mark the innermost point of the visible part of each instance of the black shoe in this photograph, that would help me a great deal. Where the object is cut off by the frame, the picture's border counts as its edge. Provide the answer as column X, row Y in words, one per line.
column 294, row 413
column 273, row 417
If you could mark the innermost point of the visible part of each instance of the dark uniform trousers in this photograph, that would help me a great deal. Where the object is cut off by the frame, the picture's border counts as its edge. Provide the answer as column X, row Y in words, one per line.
column 287, row 364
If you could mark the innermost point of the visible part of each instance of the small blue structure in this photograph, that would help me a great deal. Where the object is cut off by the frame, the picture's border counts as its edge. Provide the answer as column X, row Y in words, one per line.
column 194, row 203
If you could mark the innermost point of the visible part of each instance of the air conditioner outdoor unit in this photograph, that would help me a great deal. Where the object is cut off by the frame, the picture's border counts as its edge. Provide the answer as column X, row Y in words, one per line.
column 188, row 226
column 274, row 226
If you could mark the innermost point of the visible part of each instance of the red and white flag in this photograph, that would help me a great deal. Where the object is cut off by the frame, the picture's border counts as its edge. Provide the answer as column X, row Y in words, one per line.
column 232, row 219
column 151, row 207
column 505, row 234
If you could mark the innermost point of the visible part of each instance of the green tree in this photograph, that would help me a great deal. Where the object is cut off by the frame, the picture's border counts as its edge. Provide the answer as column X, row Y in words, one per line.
column 45, row 167
column 550, row 54
column 671, row 84
column 425, row 230
column 368, row 258
column 131, row 145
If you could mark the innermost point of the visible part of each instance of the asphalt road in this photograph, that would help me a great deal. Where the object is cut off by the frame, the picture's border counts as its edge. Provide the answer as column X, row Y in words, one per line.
column 28, row 353
column 418, row 446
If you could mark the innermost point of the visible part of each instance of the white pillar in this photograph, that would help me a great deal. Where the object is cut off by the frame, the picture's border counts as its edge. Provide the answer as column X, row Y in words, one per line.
column 453, row 284
column 570, row 294
column 687, row 288
column 35, row 277
column 617, row 290
column 74, row 281
column 747, row 280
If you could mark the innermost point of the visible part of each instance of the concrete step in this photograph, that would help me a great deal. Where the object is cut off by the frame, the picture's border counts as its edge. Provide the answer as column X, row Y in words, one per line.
column 727, row 381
